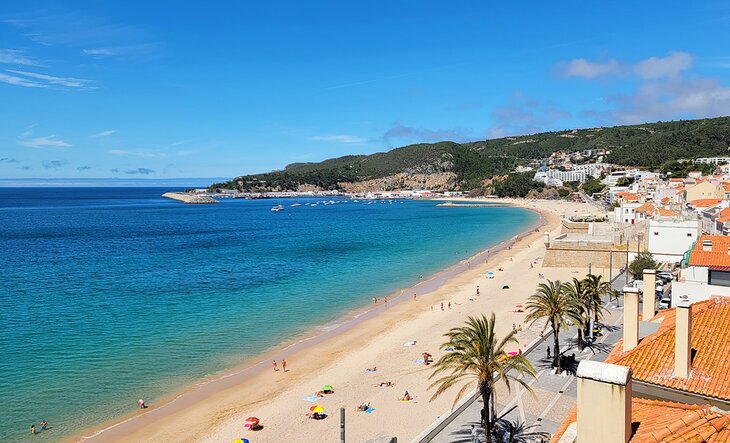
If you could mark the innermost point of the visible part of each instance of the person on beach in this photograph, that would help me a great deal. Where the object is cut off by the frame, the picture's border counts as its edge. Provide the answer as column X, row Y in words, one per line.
column 32, row 429
column 386, row 302
column 283, row 364
column 548, row 352
column 373, row 369
column 385, row 384
column 474, row 434
column 406, row 397
column 414, row 297
column 140, row 404
column 44, row 425
column 449, row 305
column 274, row 365
column 477, row 289
column 442, row 306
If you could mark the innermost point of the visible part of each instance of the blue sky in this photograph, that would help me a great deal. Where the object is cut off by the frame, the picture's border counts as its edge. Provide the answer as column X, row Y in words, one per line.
column 217, row 89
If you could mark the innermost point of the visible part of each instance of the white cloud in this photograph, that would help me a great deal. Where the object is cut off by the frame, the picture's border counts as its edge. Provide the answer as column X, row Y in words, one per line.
column 17, row 57
column 583, row 68
column 660, row 67
column 50, row 141
column 103, row 133
column 140, row 154
column 99, row 52
column 51, row 80
column 347, row 139
column 18, row 81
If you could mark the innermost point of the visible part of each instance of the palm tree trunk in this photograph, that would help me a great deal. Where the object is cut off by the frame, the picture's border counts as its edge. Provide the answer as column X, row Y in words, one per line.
column 580, row 339
column 488, row 406
column 556, row 344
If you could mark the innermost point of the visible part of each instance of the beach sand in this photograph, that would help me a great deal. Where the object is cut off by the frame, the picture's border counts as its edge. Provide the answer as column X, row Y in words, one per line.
column 216, row 411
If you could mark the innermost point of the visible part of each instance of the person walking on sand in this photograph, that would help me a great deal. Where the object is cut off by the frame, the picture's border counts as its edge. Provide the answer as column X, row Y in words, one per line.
column 477, row 289
column 442, row 306
column 449, row 305
column 274, row 364
column 283, row 364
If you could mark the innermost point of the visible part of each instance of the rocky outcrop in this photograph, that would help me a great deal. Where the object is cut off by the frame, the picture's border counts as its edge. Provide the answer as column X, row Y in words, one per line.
column 444, row 181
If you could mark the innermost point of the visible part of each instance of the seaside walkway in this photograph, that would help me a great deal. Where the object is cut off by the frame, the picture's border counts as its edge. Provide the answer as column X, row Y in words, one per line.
column 554, row 395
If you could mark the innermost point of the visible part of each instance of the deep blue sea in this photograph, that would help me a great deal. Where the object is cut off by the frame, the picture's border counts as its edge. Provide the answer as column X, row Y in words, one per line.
column 108, row 295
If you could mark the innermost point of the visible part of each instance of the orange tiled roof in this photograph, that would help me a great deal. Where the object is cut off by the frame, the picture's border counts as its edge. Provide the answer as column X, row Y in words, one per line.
column 724, row 219
column 704, row 202
column 667, row 212
column 726, row 186
column 646, row 207
column 668, row 422
column 718, row 256
column 665, row 200
column 652, row 361
column 675, row 179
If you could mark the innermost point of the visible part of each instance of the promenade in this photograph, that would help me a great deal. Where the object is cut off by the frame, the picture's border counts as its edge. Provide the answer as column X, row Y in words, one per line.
column 554, row 395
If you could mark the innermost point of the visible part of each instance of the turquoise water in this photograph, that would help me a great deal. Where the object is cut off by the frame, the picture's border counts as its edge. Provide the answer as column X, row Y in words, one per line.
column 114, row 294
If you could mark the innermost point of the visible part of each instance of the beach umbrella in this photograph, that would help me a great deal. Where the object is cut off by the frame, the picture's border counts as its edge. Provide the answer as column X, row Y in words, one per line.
column 241, row 440
column 252, row 419
column 505, row 287
column 327, row 388
column 316, row 408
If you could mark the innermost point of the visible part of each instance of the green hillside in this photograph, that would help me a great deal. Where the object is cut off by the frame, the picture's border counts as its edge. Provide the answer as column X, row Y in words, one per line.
column 648, row 145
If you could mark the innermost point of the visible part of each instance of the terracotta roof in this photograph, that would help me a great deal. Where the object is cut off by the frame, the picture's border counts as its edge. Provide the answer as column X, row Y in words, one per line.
column 718, row 256
column 675, row 179
column 668, row 422
column 667, row 212
column 652, row 361
column 705, row 202
column 665, row 200
column 646, row 207
column 726, row 186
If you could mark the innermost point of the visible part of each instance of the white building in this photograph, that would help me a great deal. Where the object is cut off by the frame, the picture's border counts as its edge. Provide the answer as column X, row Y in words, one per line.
column 708, row 273
column 669, row 240
column 626, row 213
column 712, row 160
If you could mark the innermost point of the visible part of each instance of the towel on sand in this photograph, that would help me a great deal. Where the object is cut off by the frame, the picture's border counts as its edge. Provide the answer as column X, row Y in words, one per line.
column 311, row 398
column 370, row 409
column 418, row 362
column 410, row 343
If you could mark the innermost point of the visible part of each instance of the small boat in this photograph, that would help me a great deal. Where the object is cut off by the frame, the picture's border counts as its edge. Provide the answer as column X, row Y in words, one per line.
column 277, row 208
column 296, row 204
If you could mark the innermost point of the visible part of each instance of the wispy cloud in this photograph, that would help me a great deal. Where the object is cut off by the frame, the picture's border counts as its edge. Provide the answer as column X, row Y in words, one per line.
column 140, row 154
column 68, row 82
column 411, row 134
column 668, row 66
column 83, row 168
column 103, row 133
column 343, row 138
column 143, row 171
column 99, row 52
column 54, row 164
column 524, row 115
column 18, row 81
column 8, row 160
column 17, row 57
column 49, row 141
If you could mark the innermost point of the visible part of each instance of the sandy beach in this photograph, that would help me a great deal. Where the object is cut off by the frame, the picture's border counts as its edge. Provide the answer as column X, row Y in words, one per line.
column 215, row 411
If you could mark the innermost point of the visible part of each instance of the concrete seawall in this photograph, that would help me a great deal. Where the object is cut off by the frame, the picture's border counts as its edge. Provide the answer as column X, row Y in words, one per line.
column 190, row 198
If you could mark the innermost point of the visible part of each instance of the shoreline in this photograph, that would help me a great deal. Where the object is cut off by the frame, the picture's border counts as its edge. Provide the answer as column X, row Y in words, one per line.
column 213, row 391
column 255, row 365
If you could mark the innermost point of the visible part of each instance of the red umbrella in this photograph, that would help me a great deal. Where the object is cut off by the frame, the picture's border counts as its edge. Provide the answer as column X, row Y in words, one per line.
column 252, row 419
column 251, row 422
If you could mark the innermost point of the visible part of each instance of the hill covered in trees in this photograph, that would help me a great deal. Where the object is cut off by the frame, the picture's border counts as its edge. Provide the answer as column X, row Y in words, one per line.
column 649, row 145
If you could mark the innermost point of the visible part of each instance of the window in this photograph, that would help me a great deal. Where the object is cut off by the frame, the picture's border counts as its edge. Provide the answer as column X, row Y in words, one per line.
column 656, row 232
column 719, row 278
column 689, row 234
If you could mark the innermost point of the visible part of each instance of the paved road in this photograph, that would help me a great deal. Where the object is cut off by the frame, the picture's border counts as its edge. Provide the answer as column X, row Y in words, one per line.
column 554, row 395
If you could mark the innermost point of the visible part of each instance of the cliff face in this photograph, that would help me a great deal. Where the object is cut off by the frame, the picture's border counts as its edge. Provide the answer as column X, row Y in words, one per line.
column 439, row 182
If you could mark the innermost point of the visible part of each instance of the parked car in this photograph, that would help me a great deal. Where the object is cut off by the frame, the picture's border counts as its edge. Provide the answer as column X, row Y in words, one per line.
column 665, row 303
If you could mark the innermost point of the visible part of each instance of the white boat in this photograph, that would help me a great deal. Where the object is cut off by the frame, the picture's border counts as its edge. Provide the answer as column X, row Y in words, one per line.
column 296, row 204
column 277, row 208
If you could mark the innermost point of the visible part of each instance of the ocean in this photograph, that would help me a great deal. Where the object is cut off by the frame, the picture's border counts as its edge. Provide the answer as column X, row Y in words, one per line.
column 108, row 295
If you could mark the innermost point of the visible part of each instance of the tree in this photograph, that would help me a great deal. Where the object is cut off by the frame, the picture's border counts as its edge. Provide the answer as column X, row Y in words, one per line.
column 551, row 302
column 518, row 432
column 480, row 356
column 580, row 307
column 643, row 260
column 598, row 288
column 593, row 186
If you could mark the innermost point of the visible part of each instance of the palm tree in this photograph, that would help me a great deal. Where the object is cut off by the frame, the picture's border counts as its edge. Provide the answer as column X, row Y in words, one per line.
column 518, row 432
column 552, row 303
column 480, row 356
column 598, row 288
column 580, row 307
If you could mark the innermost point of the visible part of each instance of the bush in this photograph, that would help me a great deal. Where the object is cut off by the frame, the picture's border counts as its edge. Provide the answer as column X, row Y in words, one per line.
column 642, row 261
column 593, row 186
column 562, row 192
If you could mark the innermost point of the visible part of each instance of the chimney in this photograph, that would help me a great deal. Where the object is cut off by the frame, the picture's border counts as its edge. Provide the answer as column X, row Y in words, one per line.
column 707, row 245
column 648, row 300
column 683, row 340
column 604, row 402
column 728, row 249
column 631, row 318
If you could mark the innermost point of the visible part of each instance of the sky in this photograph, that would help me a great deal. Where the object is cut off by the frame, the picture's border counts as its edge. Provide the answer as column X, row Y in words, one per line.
column 166, row 89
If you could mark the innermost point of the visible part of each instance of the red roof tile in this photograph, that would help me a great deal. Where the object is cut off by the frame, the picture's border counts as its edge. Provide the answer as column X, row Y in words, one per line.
column 705, row 202
column 665, row 422
column 718, row 256
column 652, row 361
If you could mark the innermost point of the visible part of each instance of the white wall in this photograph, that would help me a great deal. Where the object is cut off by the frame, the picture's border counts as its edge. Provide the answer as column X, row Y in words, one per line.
column 668, row 240
column 694, row 285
